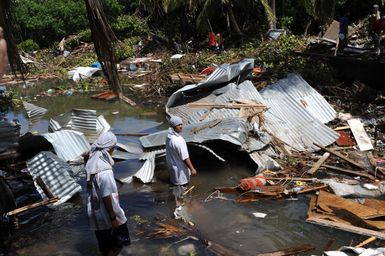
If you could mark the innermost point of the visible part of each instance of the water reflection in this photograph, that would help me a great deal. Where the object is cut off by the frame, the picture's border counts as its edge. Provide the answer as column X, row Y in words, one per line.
column 65, row 231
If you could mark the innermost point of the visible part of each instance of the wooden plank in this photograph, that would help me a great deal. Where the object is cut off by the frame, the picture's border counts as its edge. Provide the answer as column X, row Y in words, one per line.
column 32, row 206
column 311, row 189
column 318, row 164
column 360, row 135
column 44, row 187
column 346, row 227
column 367, row 241
column 366, row 175
column 341, row 128
column 341, row 156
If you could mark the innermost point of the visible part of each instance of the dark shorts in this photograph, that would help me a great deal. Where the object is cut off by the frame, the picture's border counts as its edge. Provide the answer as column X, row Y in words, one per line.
column 110, row 239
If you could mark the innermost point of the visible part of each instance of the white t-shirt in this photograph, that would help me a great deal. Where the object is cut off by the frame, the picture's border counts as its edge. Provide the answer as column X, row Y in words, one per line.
column 102, row 185
column 176, row 153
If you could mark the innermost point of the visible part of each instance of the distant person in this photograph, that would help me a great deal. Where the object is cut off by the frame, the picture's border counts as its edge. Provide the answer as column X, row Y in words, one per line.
column 106, row 216
column 212, row 40
column 219, row 42
column 343, row 32
column 178, row 160
column 376, row 27
column 3, row 54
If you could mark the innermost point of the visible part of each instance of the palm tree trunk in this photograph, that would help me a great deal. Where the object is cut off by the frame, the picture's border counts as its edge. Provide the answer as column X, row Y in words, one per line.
column 233, row 20
column 104, row 40
column 272, row 22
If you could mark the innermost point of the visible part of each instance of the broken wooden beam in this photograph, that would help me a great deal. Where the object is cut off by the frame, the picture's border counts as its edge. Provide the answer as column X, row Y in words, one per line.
column 340, row 156
column 346, row 227
column 44, row 187
column 32, row 206
column 318, row 164
column 311, row 189
column 366, row 175
column 367, row 241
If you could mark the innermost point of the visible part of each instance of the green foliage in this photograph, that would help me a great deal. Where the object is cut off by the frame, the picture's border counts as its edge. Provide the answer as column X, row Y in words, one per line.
column 49, row 20
column 112, row 8
column 125, row 49
column 286, row 22
column 277, row 56
column 128, row 26
column 28, row 45
column 85, row 36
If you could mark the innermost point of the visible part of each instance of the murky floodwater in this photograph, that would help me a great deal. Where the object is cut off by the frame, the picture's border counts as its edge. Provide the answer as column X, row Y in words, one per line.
column 65, row 231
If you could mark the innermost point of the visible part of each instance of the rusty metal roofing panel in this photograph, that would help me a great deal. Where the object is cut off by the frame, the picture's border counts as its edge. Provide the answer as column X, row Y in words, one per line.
column 68, row 145
column 295, row 89
column 55, row 173
column 34, row 113
column 9, row 135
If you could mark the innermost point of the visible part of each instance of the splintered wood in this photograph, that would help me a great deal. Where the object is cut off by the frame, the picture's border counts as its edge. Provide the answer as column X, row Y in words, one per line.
column 333, row 211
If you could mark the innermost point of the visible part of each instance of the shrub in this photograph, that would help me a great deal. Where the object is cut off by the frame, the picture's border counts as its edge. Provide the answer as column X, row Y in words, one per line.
column 125, row 49
column 85, row 36
column 28, row 45
column 129, row 26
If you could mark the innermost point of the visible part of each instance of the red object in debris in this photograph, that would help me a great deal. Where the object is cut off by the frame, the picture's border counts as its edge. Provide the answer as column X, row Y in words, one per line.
column 252, row 183
column 208, row 70
column 344, row 139
column 212, row 39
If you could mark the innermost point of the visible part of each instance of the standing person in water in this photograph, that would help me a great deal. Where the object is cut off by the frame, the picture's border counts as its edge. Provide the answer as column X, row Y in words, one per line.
column 3, row 54
column 178, row 160
column 106, row 216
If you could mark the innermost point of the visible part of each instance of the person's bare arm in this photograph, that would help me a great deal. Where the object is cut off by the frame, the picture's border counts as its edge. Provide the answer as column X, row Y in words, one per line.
column 187, row 161
column 3, row 57
column 108, row 204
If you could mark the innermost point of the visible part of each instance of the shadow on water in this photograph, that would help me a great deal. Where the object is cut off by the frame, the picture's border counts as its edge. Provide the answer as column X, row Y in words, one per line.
column 65, row 231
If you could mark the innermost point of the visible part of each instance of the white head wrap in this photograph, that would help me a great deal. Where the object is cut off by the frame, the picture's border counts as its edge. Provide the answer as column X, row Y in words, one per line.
column 175, row 120
column 99, row 159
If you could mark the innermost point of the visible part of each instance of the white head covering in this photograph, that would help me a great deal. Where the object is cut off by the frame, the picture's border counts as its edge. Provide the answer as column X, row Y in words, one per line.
column 175, row 120
column 99, row 159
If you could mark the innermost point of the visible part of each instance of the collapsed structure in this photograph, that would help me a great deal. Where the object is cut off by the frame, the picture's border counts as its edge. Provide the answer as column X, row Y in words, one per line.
column 286, row 116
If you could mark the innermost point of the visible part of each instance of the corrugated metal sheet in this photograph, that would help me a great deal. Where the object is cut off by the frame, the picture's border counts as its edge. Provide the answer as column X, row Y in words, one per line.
column 34, row 113
column 9, row 135
column 56, row 175
column 295, row 116
column 68, row 145
column 146, row 173
column 224, row 74
column 296, row 89
column 83, row 120
column 232, row 130
column 292, row 107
